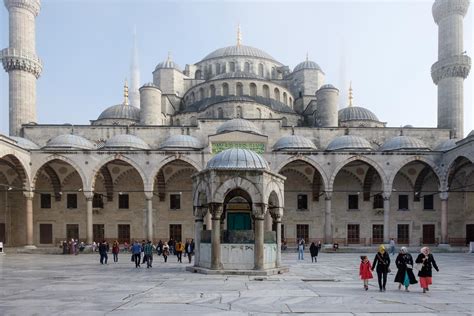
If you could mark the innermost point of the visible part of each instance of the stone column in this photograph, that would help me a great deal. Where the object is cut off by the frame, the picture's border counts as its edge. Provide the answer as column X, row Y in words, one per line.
column 149, row 215
column 259, row 211
column 386, row 217
column 268, row 222
column 444, row 217
column 89, row 231
column 216, row 211
column 208, row 221
column 277, row 214
column 199, row 213
column 29, row 219
column 328, row 218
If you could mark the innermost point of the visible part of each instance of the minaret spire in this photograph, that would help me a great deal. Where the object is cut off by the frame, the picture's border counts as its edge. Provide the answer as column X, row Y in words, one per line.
column 239, row 36
column 134, row 73
column 351, row 96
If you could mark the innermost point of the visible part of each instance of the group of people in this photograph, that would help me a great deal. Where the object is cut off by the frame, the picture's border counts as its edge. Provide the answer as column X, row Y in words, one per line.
column 405, row 276
column 313, row 250
column 72, row 247
column 143, row 252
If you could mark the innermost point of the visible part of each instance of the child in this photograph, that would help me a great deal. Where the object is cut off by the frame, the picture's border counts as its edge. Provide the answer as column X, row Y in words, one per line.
column 365, row 271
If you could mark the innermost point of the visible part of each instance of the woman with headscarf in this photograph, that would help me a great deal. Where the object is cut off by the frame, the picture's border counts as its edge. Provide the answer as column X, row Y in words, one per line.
column 382, row 264
column 427, row 262
column 404, row 263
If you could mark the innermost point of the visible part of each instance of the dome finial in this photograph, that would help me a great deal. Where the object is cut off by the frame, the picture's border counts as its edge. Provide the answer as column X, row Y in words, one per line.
column 351, row 96
column 125, row 92
column 239, row 36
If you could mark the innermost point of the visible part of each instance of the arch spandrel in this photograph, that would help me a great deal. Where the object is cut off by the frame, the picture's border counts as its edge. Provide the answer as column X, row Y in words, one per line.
column 314, row 164
column 403, row 163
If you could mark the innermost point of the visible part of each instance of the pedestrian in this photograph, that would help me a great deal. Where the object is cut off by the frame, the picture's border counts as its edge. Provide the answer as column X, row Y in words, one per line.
column 148, row 252
column 426, row 261
column 136, row 251
column 103, row 252
column 143, row 251
column 365, row 271
column 94, row 246
column 189, row 249
column 319, row 246
column 171, row 244
column 166, row 251
column 159, row 248
column 64, row 247
column 313, row 249
column 115, row 250
column 76, row 247
column 301, row 249
column 179, row 251
column 72, row 246
column 404, row 263
column 382, row 264
column 392, row 246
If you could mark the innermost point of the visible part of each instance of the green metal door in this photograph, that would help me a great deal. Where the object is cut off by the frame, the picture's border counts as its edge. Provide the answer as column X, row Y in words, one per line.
column 238, row 221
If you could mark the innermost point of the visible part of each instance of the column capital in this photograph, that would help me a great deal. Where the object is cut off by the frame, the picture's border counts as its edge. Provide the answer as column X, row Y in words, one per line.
column 148, row 195
column 386, row 195
column 215, row 209
column 89, row 195
column 259, row 210
column 327, row 195
column 28, row 194
column 199, row 212
column 276, row 213
column 444, row 195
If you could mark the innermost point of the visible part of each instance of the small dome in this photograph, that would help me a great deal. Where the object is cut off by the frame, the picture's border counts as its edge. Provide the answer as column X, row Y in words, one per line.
column 240, row 125
column 121, row 111
column 307, row 64
column 356, row 113
column 328, row 86
column 181, row 142
column 294, row 142
column 126, row 141
column 403, row 143
column 349, row 142
column 69, row 141
column 446, row 145
column 408, row 126
column 24, row 143
column 149, row 84
column 168, row 64
column 237, row 158
column 237, row 74
column 238, row 50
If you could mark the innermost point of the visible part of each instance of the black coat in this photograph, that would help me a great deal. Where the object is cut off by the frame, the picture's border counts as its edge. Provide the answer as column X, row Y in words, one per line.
column 313, row 249
column 426, row 267
column 401, row 262
column 381, row 262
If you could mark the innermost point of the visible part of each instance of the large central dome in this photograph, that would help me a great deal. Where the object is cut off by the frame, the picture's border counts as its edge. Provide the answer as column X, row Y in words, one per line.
column 238, row 50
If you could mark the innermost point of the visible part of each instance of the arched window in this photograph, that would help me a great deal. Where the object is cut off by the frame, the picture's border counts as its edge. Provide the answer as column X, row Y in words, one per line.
column 220, row 113
column 193, row 121
column 218, row 69
column 239, row 89
column 253, row 89
column 213, row 90
column 198, row 74
column 260, row 70
column 232, row 66
column 225, row 89
column 266, row 91
column 259, row 113
column 247, row 67
column 239, row 112
column 284, row 121
column 285, row 98
column 277, row 94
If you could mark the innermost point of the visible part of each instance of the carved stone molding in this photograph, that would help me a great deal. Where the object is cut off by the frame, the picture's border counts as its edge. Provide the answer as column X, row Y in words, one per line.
column 33, row 6
column 259, row 210
column 445, row 8
column 199, row 212
column 328, row 195
column 455, row 66
column 443, row 196
column 14, row 59
column 215, row 209
column 276, row 213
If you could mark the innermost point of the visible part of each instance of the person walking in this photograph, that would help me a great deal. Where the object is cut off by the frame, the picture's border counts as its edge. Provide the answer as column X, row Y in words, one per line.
column 166, row 251
column 427, row 262
column 179, row 251
column 171, row 245
column 142, row 254
column 301, row 249
column 313, row 249
column 103, row 252
column 159, row 248
column 136, row 251
column 115, row 250
column 404, row 263
column 189, row 249
column 392, row 246
column 382, row 264
column 148, row 253
column 364, row 271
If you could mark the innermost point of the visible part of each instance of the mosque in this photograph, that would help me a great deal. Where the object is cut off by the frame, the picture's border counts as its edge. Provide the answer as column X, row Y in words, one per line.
column 237, row 148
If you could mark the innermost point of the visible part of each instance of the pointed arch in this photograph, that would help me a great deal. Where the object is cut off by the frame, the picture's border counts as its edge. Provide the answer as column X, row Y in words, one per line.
column 314, row 164
column 55, row 181
column 410, row 159
column 366, row 160
column 84, row 179
column 368, row 182
column 420, row 180
column 237, row 183
column 15, row 163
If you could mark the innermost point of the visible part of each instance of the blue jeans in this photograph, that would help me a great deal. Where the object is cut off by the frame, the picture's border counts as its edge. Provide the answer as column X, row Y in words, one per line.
column 300, row 253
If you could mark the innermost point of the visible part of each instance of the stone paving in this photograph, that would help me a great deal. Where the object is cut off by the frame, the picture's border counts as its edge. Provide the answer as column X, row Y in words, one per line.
column 79, row 285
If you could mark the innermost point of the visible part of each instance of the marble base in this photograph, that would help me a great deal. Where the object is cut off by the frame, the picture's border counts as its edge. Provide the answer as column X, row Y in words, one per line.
column 265, row 272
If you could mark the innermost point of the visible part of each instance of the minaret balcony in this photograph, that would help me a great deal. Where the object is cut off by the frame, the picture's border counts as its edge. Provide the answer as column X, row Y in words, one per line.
column 17, row 59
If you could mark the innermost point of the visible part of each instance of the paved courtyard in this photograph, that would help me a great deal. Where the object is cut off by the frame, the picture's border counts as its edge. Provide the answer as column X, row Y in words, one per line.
column 79, row 285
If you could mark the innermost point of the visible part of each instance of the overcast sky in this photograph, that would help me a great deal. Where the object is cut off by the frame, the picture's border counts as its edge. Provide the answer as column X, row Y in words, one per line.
column 385, row 47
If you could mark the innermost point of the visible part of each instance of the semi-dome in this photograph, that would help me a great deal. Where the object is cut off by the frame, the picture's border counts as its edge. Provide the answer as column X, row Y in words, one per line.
column 237, row 158
column 24, row 143
column 446, row 145
column 168, row 64
column 181, row 142
column 126, row 141
column 349, row 142
column 294, row 142
column 238, row 50
column 404, row 143
column 356, row 113
column 307, row 64
column 69, row 141
column 121, row 111
column 240, row 125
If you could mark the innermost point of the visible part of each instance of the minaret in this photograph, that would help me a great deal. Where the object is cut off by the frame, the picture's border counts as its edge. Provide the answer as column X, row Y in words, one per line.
column 453, row 64
column 351, row 95
column 21, row 62
column 134, row 74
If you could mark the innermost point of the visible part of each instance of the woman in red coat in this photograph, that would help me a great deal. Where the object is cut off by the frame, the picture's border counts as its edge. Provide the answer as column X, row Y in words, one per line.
column 365, row 271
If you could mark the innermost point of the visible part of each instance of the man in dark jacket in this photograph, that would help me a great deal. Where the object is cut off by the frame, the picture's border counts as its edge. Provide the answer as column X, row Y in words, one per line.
column 103, row 252
column 189, row 249
column 382, row 263
column 313, row 249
